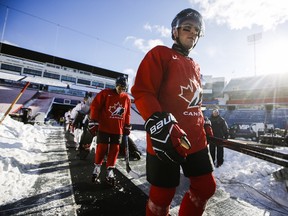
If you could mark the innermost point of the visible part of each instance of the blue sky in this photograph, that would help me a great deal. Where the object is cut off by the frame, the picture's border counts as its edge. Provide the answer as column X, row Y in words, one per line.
column 116, row 34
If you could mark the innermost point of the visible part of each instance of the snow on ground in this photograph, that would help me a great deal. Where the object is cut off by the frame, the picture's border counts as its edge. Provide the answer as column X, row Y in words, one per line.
column 22, row 147
column 251, row 179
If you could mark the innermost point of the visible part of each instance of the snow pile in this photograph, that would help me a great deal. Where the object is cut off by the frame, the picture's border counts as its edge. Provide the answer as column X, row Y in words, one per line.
column 20, row 150
column 251, row 179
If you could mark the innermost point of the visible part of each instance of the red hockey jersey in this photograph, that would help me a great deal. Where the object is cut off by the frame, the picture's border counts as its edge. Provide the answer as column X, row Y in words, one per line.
column 111, row 110
column 167, row 81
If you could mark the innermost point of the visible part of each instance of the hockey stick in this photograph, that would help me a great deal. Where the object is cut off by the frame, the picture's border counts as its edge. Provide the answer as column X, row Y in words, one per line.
column 128, row 168
column 259, row 155
column 227, row 143
column 14, row 102
column 254, row 151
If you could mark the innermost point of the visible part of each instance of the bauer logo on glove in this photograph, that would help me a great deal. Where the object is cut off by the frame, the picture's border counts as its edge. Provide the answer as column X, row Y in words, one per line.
column 169, row 141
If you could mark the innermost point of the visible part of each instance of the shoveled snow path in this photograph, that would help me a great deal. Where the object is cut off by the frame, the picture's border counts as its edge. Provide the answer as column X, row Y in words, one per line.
column 52, row 192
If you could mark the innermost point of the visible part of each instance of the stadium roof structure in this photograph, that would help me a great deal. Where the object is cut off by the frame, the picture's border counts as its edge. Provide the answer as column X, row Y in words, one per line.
column 41, row 57
column 270, row 81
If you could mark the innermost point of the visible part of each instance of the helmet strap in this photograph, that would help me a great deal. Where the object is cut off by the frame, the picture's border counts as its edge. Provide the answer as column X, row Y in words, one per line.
column 180, row 48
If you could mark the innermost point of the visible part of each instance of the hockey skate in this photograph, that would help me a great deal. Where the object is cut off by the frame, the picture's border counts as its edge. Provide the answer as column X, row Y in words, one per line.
column 110, row 178
column 96, row 174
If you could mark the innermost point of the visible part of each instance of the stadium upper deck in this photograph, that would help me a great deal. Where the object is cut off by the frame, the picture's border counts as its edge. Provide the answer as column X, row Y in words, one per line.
column 264, row 90
column 39, row 68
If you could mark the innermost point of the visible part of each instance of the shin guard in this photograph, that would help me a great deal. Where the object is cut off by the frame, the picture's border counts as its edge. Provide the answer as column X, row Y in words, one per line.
column 112, row 155
column 201, row 189
column 159, row 201
column 100, row 153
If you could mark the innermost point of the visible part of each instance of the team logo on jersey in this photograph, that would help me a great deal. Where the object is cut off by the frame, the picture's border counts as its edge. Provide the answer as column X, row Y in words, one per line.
column 116, row 110
column 175, row 57
column 192, row 94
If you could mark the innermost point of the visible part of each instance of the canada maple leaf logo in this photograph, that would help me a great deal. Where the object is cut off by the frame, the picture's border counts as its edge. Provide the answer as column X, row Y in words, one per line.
column 192, row 94
column 116, row 110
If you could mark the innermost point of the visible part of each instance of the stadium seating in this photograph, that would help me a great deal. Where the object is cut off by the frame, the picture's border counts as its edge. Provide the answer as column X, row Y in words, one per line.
column 277, row 117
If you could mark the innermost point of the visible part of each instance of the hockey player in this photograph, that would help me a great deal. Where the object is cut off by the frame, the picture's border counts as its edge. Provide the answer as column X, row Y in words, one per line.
column 168, row 94
column 73, row 115
column 110, row 117
column 77, row 115
column 80, row 110
column 67, row 116
column 80, row 123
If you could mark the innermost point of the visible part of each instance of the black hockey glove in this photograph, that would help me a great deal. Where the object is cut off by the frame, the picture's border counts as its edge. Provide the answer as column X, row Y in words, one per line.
column 127, row 129
column 168, row 140
column 93, row 127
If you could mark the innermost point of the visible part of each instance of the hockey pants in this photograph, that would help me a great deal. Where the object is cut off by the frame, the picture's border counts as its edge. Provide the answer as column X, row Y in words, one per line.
column 101, row 151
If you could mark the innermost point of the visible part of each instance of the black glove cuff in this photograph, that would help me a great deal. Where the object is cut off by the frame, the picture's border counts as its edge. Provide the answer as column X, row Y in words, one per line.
column 159, row 121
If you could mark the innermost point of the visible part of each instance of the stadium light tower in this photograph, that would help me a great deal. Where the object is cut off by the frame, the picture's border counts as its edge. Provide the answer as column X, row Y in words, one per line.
column 252, row 39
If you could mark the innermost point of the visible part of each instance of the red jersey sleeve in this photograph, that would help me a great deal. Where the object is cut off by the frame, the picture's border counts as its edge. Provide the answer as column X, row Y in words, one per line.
column 147, row 83
column 96, row 106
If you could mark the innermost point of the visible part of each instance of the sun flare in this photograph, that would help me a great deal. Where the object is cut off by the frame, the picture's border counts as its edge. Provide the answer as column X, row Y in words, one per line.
column 271, row 57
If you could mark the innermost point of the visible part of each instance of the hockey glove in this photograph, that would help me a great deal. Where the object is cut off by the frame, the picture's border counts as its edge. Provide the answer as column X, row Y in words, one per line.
column 93, row 127
column 208, row 128
column 127, row 129
column 168, row 139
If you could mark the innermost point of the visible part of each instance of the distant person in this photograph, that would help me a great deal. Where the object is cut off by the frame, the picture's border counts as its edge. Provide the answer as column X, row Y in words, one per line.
column 26, row 115
column 73, row 115
column 61, row 120
column 220, row 130
column 168, row 94
column 67, row 116
column 109, row 120
column 81, row 110
column 80, row 121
